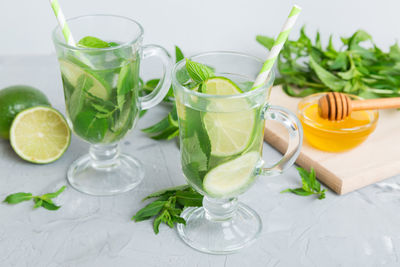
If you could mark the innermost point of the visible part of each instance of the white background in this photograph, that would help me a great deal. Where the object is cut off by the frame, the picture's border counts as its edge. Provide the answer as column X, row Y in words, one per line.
column 26, row 25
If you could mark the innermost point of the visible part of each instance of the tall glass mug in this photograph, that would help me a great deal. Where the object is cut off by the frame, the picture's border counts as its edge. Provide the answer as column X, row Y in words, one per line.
column 221, row 139
column 101, row 89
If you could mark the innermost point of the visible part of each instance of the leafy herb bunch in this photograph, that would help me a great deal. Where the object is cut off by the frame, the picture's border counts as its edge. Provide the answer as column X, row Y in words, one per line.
column 359, row 67
column 168, row 206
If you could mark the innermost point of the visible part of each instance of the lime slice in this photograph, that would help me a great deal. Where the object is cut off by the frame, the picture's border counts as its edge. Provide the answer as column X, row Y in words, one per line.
column 220, row 86
column 40, row 135
column 73, row 73
column 229, row 132
column 232, row 176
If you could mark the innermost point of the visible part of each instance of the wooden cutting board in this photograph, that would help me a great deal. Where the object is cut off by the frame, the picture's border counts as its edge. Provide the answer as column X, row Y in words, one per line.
column 376, row 159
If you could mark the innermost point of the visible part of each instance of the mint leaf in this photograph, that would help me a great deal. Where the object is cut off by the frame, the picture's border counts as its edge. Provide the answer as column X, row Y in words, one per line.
column 49, row 205
column 189, row 198
column 18, row 198
column 326, row 77
column 168, row 206
column 149, row 211
column 77, row 101
column 311, row 186
column 92, row 42
column 266, row 41
column 178, row 54
column 40, row 201
column 55, row 194
column 198, row 72
column 166, row 191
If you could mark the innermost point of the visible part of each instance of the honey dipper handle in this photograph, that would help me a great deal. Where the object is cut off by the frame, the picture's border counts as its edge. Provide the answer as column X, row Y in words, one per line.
column 379, row 103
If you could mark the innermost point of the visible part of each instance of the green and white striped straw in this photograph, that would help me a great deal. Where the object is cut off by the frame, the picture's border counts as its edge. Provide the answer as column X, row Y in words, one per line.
column 277, row 47
column 62, row 22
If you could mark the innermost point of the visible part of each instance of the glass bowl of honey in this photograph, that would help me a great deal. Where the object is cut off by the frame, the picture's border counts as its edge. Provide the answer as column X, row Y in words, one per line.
column 335, row 136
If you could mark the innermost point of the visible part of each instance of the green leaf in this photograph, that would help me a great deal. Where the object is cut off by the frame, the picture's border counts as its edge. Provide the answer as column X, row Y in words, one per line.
column 167, row 191
column 358, row 37
column 189, row 198
column 158, row 127
column 177, row 219
column 198, row 72
column 298, row 191
column 178, row 54
column 49, row 205
column 55, row 194
column 38, row 203
column 340, row 63
column 394, row 52
column 156, row 224
column 149, row 211
column 318, row 41
column 18, row 198
column 84, row 83
column 326, row 77
column 350, row 74
column 266, row 41
column 92, row 42
column 311, row 186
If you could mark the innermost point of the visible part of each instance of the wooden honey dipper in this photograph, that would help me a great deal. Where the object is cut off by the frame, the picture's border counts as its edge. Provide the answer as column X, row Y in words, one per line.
column 337, row 106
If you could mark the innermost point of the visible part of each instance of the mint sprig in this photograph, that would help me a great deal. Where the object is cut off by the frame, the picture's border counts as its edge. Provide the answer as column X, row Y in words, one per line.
column 358, row 67
column 168, row 206
column 44, row 201
column 198, row 72
column 310, row 186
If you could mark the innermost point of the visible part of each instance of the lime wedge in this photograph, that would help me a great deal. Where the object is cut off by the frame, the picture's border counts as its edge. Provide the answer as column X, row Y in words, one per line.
column 40, row 135
column 229, row 132
column 232, row 176
column 73, row 73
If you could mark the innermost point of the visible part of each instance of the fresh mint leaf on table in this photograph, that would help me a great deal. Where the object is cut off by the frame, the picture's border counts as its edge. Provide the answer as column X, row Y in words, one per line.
column 170, row 202
column 168, row 206
column 359, row 67
column 311, row 186
column 44, row 201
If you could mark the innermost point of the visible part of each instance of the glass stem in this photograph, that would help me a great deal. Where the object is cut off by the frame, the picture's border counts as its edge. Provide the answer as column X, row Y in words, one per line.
column 104, row 156
column 220, row 209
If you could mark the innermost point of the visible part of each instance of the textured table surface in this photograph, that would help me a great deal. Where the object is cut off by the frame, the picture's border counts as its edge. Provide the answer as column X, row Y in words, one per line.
column 358, row 229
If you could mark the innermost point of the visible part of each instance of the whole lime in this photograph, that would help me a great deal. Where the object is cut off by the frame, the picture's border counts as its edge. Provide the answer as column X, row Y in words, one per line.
column 13, row 100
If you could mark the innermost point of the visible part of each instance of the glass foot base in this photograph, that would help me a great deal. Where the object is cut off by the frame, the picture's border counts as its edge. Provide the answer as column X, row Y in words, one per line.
column 122, row 174
column 220, row 236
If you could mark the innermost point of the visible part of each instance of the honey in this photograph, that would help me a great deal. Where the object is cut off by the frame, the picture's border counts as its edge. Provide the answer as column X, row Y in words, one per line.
column 334, row 136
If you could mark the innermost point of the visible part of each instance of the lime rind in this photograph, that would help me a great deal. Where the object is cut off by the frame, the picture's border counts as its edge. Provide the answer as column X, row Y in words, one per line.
column 27, row 137
column 232, row 177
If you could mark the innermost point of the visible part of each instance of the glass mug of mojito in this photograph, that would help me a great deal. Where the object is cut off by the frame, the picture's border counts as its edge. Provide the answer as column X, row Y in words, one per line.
column 221, row 123
column 100, row 76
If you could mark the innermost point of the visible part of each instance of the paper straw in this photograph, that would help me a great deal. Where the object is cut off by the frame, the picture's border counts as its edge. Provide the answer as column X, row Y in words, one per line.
column 62, row 22
column 277, row 47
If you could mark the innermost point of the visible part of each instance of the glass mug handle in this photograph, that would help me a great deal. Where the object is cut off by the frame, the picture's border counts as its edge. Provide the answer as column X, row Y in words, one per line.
column 293, row 126
column 157, row 95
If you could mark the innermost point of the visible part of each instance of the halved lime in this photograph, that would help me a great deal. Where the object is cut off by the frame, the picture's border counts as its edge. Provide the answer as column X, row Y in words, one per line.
column 232, row 176
column 13, row 100
column 229, row 132
column 73, row 73
column 40, row 135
